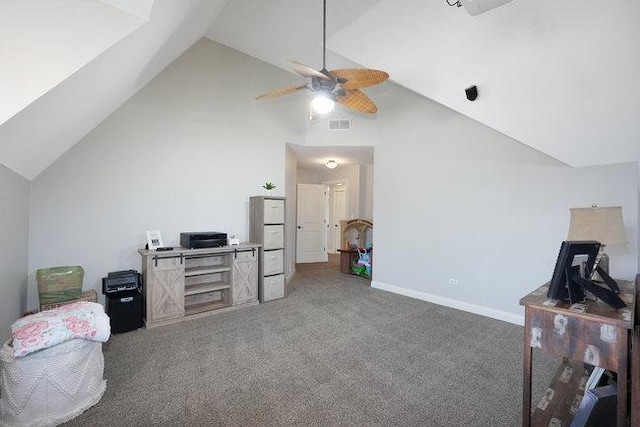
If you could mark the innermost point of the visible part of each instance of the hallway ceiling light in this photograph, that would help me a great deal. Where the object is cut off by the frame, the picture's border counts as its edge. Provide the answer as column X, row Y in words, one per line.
column 331, row 164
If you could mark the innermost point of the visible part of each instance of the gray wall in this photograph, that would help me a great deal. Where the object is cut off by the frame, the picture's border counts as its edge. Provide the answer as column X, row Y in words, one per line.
column 183, row 154
column 366, row 191
column 14, row 234
column 452, row 198
column 455, row 199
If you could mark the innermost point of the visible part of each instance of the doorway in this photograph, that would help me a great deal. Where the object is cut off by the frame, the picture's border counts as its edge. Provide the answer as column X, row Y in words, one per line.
column 307, row 165
column 312, row 224
column 337, row 212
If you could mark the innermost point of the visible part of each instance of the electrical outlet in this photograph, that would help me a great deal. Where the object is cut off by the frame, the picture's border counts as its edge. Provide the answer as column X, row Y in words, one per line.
column 453, row 281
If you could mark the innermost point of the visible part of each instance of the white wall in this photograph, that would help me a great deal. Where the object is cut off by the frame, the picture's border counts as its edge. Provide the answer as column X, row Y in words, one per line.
column 559, row 76
column 45, row 36
column 366, row 191
column 350, row 174
column 183, row 154
column 308, row 176
column 14, row 234
column 455, row 199
column 291, row 194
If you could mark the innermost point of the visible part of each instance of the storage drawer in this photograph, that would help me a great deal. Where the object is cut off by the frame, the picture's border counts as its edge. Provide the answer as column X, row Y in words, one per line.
column 273, row 287
column 273, row 262
column 273, row 236
column 273, row 211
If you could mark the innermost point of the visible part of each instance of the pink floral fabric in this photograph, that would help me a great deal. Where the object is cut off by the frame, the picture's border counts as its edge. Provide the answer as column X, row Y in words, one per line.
column 82, row 319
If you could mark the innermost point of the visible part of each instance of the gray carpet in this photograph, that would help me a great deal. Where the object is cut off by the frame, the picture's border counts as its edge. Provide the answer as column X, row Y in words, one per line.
column 334, row 351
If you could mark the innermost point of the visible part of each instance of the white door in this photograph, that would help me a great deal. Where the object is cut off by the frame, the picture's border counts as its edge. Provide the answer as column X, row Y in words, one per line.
column 311, row 235
column 338, row 202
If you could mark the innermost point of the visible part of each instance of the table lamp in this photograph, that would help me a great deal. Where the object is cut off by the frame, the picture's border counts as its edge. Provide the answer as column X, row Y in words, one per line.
column 602, row 224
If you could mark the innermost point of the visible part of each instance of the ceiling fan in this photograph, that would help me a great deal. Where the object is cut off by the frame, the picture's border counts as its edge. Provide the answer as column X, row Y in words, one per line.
column 341, row 86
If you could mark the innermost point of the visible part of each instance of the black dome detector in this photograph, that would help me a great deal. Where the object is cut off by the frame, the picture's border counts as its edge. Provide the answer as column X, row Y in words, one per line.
column 472, row 92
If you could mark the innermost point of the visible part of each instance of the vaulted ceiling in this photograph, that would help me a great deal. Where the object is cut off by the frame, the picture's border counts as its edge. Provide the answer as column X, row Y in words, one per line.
column 560, row 77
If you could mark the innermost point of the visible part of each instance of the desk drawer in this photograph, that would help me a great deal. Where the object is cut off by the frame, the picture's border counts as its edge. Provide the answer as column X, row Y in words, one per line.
column 273, row 211
column 273, row 236
column 273, row 287
column 273, row 262
column 578, row 339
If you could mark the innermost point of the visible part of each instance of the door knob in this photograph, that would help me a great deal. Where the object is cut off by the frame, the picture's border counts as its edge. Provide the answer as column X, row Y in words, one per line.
column 299, row 226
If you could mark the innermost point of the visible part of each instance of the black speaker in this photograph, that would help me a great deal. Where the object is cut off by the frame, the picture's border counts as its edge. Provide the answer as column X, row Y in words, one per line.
column 125, row 311
column 472, row 93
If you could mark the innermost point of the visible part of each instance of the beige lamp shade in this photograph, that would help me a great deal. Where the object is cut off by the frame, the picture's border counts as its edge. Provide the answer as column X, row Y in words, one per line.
column 602, row 224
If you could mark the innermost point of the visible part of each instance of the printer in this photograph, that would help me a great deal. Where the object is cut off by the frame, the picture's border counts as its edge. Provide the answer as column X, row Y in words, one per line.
column 119, row 281
column 124, row 300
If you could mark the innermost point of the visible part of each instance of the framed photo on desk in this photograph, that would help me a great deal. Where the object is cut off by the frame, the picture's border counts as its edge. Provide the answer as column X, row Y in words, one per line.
column 154, row 239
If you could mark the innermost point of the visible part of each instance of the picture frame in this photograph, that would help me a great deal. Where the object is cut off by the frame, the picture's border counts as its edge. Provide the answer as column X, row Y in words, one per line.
column 154, row 239
column 575, row 258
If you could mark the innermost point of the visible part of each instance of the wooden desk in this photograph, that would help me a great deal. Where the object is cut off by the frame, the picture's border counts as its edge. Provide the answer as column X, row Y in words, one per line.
column 600, row 336
column 635, row 362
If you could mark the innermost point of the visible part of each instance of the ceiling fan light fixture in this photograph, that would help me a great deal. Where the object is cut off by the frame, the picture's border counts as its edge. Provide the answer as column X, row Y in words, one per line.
column 322, row 104
column 331, row 164
column 340, row 86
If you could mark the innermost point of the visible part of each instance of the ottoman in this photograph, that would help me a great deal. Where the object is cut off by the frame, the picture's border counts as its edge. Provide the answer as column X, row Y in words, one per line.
column 50, row 386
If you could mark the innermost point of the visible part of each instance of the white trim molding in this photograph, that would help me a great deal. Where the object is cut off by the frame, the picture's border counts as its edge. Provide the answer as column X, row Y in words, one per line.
column 448, row 302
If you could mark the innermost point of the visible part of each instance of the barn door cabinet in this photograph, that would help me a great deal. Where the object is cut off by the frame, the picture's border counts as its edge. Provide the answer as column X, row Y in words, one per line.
column 267, row 229
column 245, row 277
column 188, row 283
column 165, row 299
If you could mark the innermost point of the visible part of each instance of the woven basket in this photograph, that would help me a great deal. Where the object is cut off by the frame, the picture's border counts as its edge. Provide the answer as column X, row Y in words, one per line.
column 91, row 295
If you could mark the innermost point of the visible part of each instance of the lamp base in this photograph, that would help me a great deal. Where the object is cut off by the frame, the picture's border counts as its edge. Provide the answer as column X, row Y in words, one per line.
column 603, row 262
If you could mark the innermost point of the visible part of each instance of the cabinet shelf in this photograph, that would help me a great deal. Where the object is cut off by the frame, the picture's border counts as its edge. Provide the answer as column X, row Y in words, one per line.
column 563, row 396
column 199, row 271
column 205, row 287
column 205, row 306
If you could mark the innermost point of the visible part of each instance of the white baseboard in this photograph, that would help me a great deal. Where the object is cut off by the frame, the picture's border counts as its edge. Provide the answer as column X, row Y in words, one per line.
column 289, row 277
column 448, row 302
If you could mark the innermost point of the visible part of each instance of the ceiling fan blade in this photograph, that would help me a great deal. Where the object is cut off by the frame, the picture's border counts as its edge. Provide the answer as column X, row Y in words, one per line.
column 356, row 100
column 357, row 78
column 282, row 91
column 307, row 72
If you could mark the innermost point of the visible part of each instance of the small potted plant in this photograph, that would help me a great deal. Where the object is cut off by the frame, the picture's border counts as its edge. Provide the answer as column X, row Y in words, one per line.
column 268, row 188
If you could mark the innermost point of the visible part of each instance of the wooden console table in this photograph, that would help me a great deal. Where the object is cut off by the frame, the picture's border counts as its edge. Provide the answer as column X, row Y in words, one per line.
column 600, row 336
column 188, row 283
